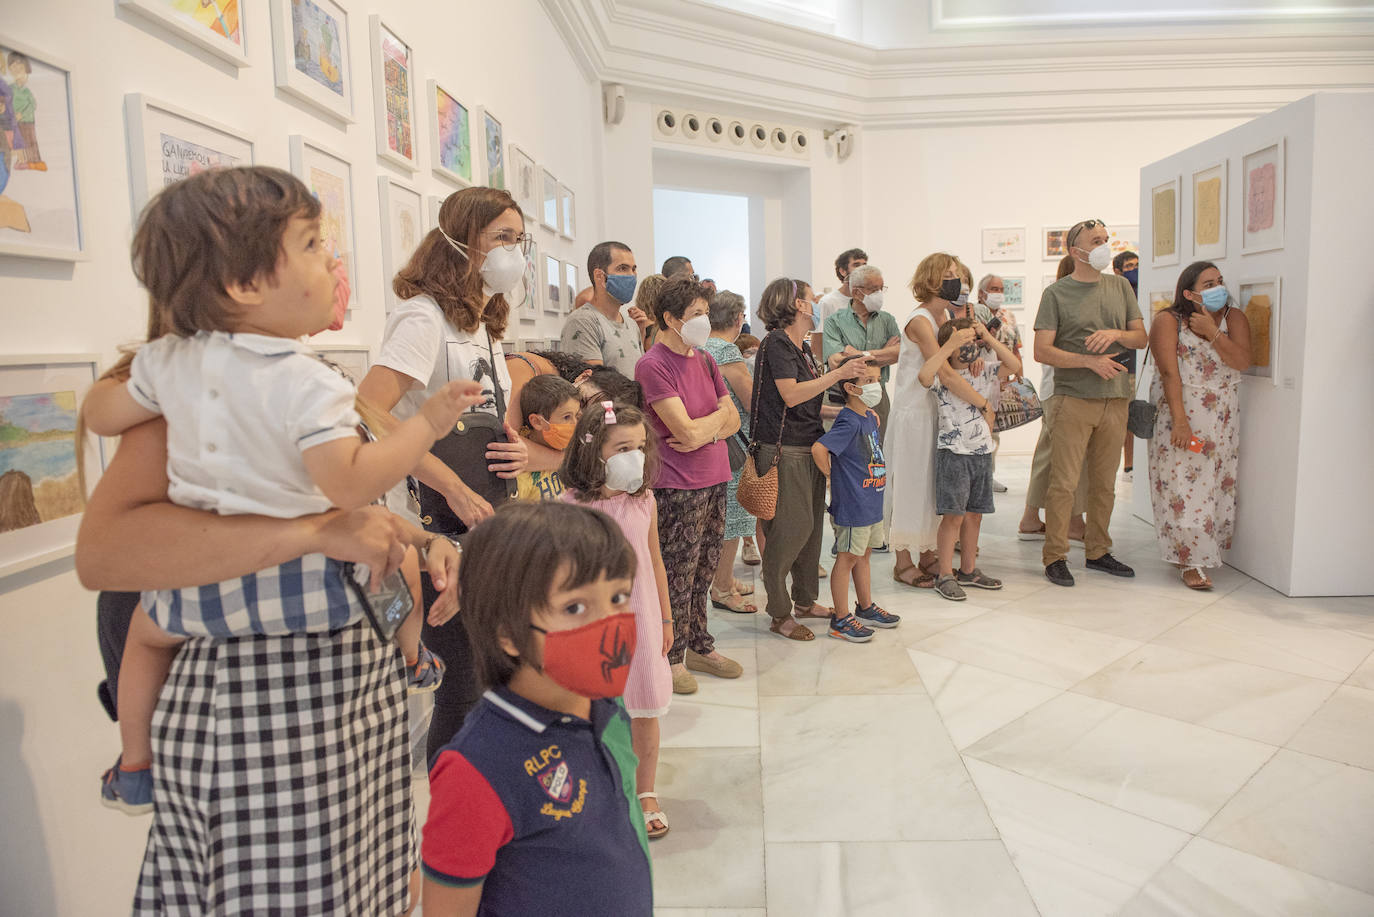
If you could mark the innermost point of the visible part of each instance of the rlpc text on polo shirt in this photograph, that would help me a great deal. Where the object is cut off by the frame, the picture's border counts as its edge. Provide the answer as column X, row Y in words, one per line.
column 539, row 761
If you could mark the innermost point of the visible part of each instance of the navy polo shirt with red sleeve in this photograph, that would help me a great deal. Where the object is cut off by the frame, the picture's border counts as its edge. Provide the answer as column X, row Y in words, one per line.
column 539, row 806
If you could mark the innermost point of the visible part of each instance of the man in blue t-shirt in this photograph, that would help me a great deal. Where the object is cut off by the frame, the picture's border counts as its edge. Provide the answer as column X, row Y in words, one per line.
column 851, row 456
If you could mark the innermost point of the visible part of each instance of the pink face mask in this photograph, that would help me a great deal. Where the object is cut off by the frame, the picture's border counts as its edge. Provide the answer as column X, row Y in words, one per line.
column 342, row 291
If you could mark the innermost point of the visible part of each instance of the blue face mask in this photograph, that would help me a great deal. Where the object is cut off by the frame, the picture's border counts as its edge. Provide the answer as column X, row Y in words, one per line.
column 1215, row 299
column 621, row 286
column 1132, row 277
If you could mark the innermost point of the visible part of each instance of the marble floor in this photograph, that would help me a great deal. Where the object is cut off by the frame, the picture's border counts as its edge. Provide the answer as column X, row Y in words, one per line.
column 1122, row 747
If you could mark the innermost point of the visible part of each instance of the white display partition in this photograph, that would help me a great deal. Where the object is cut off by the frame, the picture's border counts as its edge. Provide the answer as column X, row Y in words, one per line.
column 1305, row 518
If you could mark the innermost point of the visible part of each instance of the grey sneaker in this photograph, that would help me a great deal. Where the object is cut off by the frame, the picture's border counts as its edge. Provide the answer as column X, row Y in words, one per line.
column 948, row 588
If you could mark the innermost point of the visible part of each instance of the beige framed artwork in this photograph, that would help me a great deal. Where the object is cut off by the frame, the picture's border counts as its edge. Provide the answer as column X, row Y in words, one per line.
column 1164, row 223
column 1209, row 213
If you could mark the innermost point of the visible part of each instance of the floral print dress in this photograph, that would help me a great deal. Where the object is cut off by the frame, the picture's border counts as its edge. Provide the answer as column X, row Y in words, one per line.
column 1194, row 494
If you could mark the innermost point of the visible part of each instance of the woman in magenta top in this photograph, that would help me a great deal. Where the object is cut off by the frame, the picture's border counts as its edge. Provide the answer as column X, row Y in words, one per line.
column 691, row 412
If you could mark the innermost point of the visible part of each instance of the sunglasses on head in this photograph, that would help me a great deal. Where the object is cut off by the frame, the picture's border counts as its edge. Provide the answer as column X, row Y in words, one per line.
column 1086, row 224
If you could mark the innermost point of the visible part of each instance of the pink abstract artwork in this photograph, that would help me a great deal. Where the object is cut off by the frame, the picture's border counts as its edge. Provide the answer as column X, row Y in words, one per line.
column 1260, row 202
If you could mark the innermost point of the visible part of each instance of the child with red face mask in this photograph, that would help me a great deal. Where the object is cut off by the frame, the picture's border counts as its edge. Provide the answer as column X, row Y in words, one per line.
column 532, row 805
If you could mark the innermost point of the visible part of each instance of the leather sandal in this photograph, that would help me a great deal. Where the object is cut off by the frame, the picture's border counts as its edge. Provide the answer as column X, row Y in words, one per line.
column 732, row 601
column 799, row 632
column 1201, row 581
column 922, row 580
column 654, row 815
column 812, row 611
column 743, row 588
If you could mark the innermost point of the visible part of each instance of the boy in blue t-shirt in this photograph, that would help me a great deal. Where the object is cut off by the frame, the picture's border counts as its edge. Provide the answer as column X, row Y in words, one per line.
column 857, row 476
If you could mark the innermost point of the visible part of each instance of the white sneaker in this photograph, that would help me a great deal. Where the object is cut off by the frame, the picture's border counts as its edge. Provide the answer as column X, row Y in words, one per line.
column 998, row 487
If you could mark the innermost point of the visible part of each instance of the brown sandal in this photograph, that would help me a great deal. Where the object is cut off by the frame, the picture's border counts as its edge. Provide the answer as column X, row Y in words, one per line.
column 799, row 631
column 732, row 601
column 922, row 580
column 1201, row 581
column 812, row 611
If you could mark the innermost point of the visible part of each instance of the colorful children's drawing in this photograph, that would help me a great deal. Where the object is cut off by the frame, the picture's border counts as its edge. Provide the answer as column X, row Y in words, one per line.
column 455, row 143
column 332, row 192
column 182, row 159
column 1013, row 291
column 219, row 16
column 318, row 51
column 38, row 477
column 397, row 87
column 496, row 162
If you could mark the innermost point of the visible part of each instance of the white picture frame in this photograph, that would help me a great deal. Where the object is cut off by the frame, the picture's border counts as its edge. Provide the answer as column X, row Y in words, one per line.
column 1013, row 291
column 222, row 37
column 1246, row 290
column 493, row 149
column 312, row 55
column 551, row 285
column 1123, row 238
column 403, row 226
column 567, row 212
column 1210, row 198
column 40, row 394
column 393, row 95
column 1166, row 222
column 436, row 203
column 450, row 136
column 41, row 215
column 549, row 216
column 329, row 175
column 1053, row 242
column 530, row 308
column 1261, row 224
column 570, row 286
column 1004, row 244
column 525, row 182
column 158, row 158
column 355, row 359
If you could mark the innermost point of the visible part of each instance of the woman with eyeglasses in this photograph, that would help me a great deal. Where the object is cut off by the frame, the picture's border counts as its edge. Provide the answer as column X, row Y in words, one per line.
column 456, row 293
column 1201, row 345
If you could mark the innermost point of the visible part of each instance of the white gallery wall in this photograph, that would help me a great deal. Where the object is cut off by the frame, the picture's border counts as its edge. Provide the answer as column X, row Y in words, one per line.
column 64, row 853
column 1304, row 518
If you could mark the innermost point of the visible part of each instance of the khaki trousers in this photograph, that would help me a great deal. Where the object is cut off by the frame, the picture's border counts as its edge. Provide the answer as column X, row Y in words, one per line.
column 1085, row 443
column 1040, row 464
column 792, row 538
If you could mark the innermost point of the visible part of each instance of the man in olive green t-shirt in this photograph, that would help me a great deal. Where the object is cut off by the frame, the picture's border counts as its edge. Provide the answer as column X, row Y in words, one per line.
column 1086, row 321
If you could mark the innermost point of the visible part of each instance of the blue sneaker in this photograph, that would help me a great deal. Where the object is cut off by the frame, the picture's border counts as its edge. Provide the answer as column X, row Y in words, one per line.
column 849, row 628
column 874, row 616
column 131, row 792
column 428, row 673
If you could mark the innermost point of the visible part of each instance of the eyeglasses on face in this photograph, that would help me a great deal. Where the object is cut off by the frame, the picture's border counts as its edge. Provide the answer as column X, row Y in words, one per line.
column 509, row 239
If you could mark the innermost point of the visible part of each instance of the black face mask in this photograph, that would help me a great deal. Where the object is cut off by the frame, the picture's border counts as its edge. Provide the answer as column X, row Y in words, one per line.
column 949, row 290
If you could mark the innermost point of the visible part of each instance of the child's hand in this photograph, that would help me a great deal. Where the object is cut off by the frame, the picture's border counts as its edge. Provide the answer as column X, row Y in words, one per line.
column 990, row 416
column 441, row 562
column 667, row 636
column 962, row 336
column 448, row 404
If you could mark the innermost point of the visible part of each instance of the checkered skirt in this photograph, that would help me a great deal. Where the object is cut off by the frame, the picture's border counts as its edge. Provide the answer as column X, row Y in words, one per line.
column 281, row 779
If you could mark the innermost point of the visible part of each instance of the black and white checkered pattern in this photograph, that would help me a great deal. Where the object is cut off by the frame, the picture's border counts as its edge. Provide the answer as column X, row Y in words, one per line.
column 281, row 779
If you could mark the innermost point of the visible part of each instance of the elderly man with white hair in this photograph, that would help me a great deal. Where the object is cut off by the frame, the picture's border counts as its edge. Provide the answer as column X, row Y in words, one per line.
column 864, row 328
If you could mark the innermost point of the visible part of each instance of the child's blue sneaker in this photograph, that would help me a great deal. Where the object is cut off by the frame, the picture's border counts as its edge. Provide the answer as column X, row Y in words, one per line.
column 849, row 628
column 131, row 792
column 874, row 616
column 428, row 673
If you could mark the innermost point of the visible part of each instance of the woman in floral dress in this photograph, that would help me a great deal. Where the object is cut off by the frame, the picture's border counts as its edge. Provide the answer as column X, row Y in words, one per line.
column 1201, row 346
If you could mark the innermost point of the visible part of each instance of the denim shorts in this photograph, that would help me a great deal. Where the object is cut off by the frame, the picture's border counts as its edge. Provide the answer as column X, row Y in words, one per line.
column 963, row 483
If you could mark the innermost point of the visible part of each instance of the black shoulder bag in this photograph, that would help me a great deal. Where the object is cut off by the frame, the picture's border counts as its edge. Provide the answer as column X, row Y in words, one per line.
column 464, row 450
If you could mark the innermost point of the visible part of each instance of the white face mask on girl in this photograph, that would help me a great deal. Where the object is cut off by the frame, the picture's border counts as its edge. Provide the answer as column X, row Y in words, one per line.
column 695, row 331
column 625, row 471
column 502, row 268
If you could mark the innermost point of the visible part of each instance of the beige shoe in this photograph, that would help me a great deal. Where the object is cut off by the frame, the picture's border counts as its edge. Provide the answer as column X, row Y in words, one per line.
column 721, row 668
column 683, row 681
column 751, row 553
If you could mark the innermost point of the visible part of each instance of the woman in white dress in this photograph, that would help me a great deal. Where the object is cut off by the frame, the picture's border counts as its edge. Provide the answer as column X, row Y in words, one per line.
column 909, row 499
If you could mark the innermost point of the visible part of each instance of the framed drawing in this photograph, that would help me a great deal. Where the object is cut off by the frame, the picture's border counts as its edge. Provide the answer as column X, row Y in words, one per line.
column 216, row 27
column 1124, row 239
column 330, row 177
column 167, row 144
column 40, row 192
column 552, row 285
column 1209, row 213
column 549, row 216
column 402, row 228
column 525, row 183
column 1164, row 223
column 1053, row 242
column 567, row 212
column 1263, row 174
column 494, row 142
column 529, row 307
column 354, row 359
column 393, row 95
column 450, row 136
column 570, row 289
column 312, row 55
column 1259, row 300
column 436, row 203
column 41, row 497
column 1161, row 300
column 1014, row 291
column 1004, row 244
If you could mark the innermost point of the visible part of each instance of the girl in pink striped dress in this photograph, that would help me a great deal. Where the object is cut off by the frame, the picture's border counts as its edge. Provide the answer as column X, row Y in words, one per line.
column 608, row 466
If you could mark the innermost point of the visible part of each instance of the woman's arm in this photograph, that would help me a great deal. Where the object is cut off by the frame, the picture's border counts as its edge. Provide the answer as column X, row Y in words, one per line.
column 131, row 538
column 737, row 376
column 1164, row 346
column 923, row 336
column 690, row 434
column 794, row 393
column 1233, row 347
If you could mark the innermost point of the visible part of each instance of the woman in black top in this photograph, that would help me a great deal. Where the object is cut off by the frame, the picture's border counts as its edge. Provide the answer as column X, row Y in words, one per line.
column 788, row 388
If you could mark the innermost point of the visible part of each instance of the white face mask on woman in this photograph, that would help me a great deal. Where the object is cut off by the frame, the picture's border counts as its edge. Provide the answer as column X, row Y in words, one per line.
column 502, row 268
column 695, row 331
